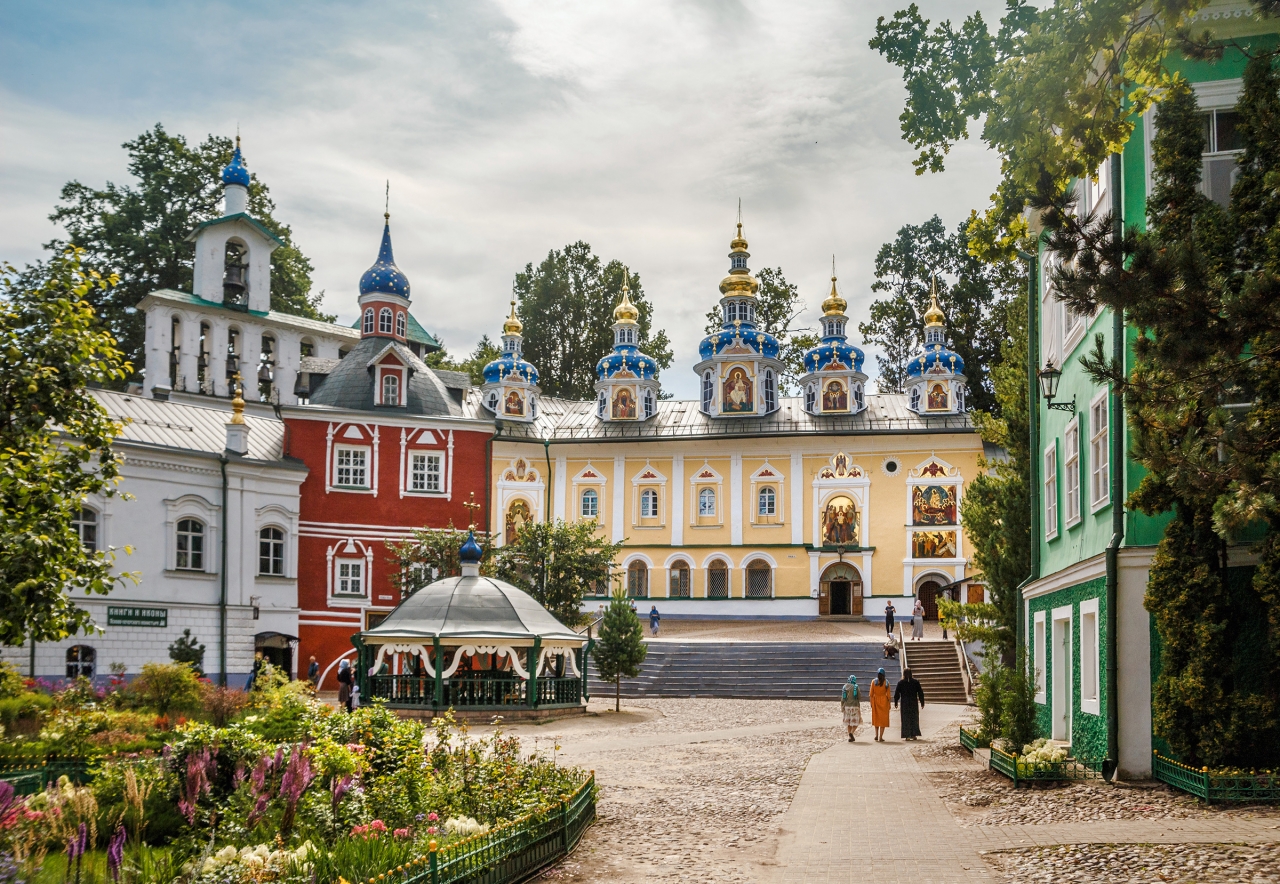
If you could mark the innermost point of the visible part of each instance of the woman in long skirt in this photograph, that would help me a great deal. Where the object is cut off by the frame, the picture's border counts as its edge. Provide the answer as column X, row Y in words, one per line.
column 911, row 695
column 879, row 704
column 851, row 707
column 917, row 621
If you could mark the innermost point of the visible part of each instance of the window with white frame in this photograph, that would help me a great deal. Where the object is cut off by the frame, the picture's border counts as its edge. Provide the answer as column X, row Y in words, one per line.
column 80, row 661
column 1051, row 491
column 350, row 467
column 368, row 321
column 1095, row 190
column 271, row 552
column 811, row 397
column 601, row 404
column 425, row 472
column 350, row 577
column 400, row 323
column 1071, row 473
column 1223, row 148
column 759, row 580
column 707, row 502
column 590, row 504
column 770, row 391
column 648, row 403
column 492, row 400
column 86, row 525
column 391, row 389
column 1038, row 656
column 190, row 545
column 767, row 504
column 915, row 399
column 384, row 321
column 649, row 504
column 708, row 390
column 1090, row 687
column 1099, row 452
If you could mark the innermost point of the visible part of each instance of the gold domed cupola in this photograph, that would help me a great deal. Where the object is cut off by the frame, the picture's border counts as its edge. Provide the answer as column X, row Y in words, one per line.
column 834, row 305
column 626, row 311
column 513, row 325
column 739, row 282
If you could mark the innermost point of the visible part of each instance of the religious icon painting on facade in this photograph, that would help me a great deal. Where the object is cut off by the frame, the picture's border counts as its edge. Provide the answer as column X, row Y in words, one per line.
column 513, row 404
column 933, row 505
column 933, row 545
column 938, row 398
column 624, row 404
column 835, row 397
column 517, row 517
column 840, row 522
column 739, row 393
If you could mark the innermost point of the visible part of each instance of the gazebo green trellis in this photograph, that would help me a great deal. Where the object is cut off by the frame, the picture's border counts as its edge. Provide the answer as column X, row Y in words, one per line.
column 472, row 643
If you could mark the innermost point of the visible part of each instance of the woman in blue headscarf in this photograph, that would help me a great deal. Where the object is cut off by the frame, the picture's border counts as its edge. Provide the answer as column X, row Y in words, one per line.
column 851, row 706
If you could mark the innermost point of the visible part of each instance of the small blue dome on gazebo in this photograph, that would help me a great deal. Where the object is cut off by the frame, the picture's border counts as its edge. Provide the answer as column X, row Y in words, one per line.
column 470, row 553
column 384, row 277
column 236, row 172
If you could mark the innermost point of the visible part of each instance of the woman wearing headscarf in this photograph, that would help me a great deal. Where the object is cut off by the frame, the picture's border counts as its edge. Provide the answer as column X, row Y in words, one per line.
column 344, row 684
column 851, row 706
column 917, row 621
column 879, row 704
column 910, row 694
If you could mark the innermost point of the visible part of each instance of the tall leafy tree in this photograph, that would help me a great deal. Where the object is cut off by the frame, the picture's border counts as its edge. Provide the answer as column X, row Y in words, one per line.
column 566, row 304
column 620, row 649
column 973, row 293
column 556, row 562
column 778, row 307
column 137, row 232
column 432, row 554
column 55, row 447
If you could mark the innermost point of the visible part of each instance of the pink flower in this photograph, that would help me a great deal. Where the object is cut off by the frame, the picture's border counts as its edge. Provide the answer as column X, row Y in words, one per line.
column 431, row 830
column 378, row 826
column 359, row 830
column 401, row 833
column 433, row 817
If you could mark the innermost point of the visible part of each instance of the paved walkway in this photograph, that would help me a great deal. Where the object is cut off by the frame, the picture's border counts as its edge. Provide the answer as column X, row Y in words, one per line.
column 866, row 811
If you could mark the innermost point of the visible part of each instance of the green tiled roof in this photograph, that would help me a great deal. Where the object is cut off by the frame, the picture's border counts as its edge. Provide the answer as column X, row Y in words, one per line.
column 239, row 216
column 415, row 333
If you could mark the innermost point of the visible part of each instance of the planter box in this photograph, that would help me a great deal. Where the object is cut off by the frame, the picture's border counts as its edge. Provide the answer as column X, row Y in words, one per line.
column 1211, row 787
column 1022, row 772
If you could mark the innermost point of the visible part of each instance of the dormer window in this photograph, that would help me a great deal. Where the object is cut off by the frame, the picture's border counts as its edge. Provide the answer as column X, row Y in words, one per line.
column 601, row 403
column 708, row 390
column 368, row 321
column 857, row 397
column 811, row 398
column 770, row 391
column 384, row 321
column 915, row 399
column 491, row 401
column 400, row 324
column 648, row 404
column 391, row 389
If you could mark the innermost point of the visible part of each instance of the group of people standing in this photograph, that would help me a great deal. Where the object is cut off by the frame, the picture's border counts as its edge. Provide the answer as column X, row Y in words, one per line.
column 908, row 695
column 917, row 620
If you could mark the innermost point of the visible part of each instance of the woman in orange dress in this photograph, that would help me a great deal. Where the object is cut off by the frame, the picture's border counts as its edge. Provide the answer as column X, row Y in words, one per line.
column 880, row 704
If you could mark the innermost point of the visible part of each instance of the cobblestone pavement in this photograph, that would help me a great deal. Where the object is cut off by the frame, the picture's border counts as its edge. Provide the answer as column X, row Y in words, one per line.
column 1115, row 863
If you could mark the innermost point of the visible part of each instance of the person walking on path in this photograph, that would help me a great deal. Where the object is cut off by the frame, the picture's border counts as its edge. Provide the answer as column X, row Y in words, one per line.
column 313, row 672
column 909, row 693
column 917, row 621
column 879, row 704
column 851, row 707
column 344, row 684
column 888, row 617
column 654, row 620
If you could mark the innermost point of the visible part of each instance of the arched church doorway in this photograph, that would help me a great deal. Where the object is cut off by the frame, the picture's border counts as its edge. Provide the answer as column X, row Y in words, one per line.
column 840, row 591
column 928, row 593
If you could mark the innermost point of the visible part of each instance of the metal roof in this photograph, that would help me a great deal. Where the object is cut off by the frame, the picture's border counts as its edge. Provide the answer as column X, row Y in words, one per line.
column 350, row 383
column 189, row 427
column 886, row 413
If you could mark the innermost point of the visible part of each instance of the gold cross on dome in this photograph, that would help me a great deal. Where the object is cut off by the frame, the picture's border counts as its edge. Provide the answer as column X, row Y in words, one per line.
column 473, row 506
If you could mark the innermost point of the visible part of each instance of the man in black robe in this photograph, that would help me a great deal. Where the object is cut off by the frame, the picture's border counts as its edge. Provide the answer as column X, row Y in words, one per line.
column 911, row 696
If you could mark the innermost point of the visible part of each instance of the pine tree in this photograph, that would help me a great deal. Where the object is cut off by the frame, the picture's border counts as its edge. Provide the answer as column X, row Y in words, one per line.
column 620, row 649
column 186, row 649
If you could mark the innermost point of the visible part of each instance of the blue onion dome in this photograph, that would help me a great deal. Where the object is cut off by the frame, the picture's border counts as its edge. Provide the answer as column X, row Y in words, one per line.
column 737, row 335
column 236, row 172
column 834, row 352
column 384, row 277
column 470, row 553
column 509, row 364
column 626, row 359
column 936, row 356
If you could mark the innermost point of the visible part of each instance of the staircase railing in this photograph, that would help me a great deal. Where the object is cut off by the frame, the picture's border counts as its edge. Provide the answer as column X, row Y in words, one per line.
column 964, row 667
column 902, row 648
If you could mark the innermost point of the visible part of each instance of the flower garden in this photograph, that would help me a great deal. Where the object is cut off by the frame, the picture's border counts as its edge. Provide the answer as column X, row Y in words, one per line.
column 169, row 779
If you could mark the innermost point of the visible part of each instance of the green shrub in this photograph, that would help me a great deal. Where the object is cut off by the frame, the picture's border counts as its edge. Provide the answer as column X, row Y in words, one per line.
column 26, row 708
column 165, row 687
column 12, row 684
column 988, row 697
column 1019, row 723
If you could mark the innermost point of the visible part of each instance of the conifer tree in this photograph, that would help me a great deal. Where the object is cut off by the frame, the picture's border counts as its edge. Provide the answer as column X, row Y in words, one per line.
column 620, row 649
column 186, row 648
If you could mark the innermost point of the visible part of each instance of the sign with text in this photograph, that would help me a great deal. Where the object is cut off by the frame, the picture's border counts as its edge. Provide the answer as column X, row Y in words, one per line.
column 117, row 616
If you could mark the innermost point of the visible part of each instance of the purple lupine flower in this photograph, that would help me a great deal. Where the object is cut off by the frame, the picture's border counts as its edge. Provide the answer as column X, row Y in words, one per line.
column 340, row 787
column 115, row 853
column 199, row 766
column 238, row 778
column 297, row 776
column 77, row 845
column 7, row 796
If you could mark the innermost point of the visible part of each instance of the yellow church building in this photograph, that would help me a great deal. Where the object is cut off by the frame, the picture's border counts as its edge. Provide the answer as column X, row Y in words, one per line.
column 746, row 503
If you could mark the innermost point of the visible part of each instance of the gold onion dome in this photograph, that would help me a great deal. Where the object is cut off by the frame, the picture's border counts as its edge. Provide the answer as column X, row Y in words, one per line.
column 739, row 281
column 834, row 305
column 934, row 315
column 513, row 326
column 626, row 311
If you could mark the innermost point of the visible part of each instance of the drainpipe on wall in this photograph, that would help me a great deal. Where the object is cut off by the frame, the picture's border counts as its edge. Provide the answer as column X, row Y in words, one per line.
column 546, row 504
column 222, row 575
column 1117, row 492
column 1033, row 422
column 488, row 475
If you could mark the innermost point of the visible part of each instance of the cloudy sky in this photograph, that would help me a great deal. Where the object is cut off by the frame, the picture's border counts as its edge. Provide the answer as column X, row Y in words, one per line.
column 506, row 129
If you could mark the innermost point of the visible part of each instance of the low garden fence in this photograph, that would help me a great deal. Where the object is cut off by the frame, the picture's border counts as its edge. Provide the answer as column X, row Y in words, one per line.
column 969, row 741
column 48, row 767
column 1044, row 771
column 509, row 853
column 1211, row 786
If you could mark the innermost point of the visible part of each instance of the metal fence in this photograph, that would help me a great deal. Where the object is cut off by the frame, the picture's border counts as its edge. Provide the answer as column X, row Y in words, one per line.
column 47, row 767
column 968, row 741
column 1044, row 771
column 1216, row 786
column 510, row 853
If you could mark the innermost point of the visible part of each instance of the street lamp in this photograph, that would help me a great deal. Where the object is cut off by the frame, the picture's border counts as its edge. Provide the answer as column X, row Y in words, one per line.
column 1049, row 377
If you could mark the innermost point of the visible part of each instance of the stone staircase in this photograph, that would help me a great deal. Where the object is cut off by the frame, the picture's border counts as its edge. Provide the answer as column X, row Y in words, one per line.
column 753, row 670
column 936, row 665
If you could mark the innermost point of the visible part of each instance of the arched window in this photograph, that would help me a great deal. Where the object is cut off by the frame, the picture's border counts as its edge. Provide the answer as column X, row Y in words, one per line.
column 770, row 391
column 708, row 390
column 86, row 525
column 759, row 580
column 648, row 404
column 601, row 403
column 391, row 389
column 492, row 400
column 80, row 660
column 811, row 398
column 368, row 321
column 271, row 552
column 960, row 397
column 915, row 399
column 638, row 580
column 857, row 397
column 739, row 262
column 590, row 504
column 384, row 321
column 190, row 545
column 707, row 502
column 648, row 504
column 768, row 502
column 679, row 580
column 718, row 580
column 400, row 324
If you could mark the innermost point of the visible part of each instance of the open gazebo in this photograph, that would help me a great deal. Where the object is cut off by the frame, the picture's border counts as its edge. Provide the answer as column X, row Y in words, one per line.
column 472, row 643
